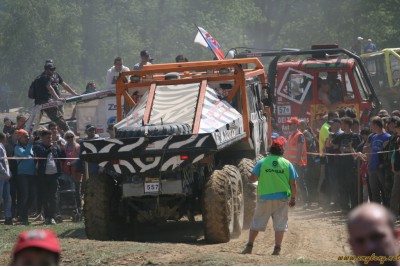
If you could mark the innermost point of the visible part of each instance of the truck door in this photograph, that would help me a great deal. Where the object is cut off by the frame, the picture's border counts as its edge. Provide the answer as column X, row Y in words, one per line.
column 256, row 121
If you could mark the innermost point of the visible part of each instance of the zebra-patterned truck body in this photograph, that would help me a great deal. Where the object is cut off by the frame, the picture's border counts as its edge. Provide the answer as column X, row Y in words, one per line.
column 176, row 136
column 147, row 156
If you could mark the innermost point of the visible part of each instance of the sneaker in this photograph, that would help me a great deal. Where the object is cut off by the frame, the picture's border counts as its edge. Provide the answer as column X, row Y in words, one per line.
column 47, row 221
column 59, row 219
column 52, row 221
column 277, row 251
column 8, row 221
column 24, row 222
column 34, row 215
column 39, row 217
column 248, row 249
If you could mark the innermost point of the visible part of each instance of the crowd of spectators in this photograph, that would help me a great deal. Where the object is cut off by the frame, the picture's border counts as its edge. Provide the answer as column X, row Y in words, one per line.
column 348, row 164
column 48, row 162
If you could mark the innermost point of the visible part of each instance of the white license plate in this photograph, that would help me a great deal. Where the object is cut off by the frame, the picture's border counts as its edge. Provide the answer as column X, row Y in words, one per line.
column 152, row 187
column 284, row 110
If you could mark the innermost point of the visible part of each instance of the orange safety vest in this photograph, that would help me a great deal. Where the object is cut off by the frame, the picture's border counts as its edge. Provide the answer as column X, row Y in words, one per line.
column 291, row 149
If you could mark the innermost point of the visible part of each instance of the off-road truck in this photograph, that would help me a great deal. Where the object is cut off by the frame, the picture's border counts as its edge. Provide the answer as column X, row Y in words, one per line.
column 294, row 84
column 185, row 139
column 384, row 69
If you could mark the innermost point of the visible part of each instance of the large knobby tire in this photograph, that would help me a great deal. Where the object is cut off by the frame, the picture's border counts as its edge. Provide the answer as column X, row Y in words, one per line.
column 218, row 208
column 102, row 221
column 258, row 158
column 154, row 130
column 250, row 191
column 238, row 198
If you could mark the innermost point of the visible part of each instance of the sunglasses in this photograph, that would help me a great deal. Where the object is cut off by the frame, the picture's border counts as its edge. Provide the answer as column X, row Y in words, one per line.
column 69, row 137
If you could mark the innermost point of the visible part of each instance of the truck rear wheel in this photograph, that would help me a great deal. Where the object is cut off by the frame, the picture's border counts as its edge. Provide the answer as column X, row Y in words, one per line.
column 218, row 208
column 102, row 221
column 250, row 191
column 238, row 198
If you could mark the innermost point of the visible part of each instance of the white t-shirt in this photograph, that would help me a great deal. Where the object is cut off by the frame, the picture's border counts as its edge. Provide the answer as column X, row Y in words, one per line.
column 112, row 76
column 51, row 167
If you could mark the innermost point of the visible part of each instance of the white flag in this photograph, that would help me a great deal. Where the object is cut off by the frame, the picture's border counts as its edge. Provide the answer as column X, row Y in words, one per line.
column 200, row 39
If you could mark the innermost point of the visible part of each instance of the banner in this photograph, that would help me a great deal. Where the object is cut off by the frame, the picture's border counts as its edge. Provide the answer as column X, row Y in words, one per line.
column 205, row 39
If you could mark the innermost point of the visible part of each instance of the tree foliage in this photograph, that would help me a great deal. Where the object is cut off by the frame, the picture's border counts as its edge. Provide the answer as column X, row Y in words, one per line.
column 84, row 36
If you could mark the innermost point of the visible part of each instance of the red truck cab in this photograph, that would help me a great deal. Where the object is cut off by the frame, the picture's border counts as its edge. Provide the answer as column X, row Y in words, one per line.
column 310, row 88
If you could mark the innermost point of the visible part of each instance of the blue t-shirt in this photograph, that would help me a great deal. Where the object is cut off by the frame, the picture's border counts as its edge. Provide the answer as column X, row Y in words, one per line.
column 281, row 195
column 376, row 143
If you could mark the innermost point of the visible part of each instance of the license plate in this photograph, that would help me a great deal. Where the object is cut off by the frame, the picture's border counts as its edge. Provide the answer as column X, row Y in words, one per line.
column 152, row 185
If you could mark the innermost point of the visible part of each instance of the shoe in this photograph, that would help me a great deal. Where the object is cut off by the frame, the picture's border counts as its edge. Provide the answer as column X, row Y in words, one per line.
column 59, row 219
column 34, row 215
column 52, row 221
column 47, row 221
column 39, row 217
column 24, row 222
column 8, row 221
column 248, row 249
column 277, row 251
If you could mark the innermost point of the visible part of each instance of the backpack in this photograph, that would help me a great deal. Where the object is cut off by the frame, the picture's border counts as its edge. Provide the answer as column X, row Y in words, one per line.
column 34, row 88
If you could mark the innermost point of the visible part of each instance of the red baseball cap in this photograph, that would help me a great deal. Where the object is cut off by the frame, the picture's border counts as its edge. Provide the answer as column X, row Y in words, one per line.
column 21, row 132
column 278, row 143
column 38, row 238
column 293, row 120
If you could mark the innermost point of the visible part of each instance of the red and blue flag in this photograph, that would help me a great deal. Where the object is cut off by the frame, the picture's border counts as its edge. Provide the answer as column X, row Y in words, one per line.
column 205, row 39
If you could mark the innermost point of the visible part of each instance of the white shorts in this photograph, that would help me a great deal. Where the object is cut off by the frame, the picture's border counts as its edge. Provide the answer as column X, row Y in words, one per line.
column 278, row 209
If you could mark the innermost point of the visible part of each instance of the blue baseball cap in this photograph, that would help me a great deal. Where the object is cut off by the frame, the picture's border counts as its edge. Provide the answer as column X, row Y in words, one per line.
column 7, row 119
column 274, row 136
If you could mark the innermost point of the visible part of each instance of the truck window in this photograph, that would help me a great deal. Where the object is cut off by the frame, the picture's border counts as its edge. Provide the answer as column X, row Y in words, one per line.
column 296, row 86
column 349, row 89
column 395, row 68
column 330, row 88
column 371, row 66
column 360, row 84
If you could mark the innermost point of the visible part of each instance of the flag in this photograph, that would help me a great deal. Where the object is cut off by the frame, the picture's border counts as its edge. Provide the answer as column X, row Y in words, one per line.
column 205, row 39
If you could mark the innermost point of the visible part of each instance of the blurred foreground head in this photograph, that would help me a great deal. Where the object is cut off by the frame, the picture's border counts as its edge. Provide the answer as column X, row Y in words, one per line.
column 372, row 230
column 38, row 247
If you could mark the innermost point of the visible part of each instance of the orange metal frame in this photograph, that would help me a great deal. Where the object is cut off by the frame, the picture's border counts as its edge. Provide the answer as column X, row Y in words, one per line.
column 192, row 72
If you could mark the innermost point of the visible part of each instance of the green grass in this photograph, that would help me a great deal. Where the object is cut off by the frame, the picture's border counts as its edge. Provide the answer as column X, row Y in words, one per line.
column 10, row 233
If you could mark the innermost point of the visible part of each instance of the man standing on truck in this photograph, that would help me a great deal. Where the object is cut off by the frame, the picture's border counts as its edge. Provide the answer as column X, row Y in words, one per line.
column 114, row 72
column 296, row 153
column 276, row 183
column 145, row 59
column 48, row 88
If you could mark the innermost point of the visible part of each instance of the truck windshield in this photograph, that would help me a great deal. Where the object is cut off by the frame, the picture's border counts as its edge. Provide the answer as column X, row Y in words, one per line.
column 361, row 84
column 395, row 67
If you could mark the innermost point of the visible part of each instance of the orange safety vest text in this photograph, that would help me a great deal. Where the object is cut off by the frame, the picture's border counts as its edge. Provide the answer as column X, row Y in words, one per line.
column 291, row 149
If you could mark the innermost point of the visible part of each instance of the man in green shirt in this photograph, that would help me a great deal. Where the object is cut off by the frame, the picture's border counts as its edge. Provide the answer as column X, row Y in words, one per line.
column 276, row 192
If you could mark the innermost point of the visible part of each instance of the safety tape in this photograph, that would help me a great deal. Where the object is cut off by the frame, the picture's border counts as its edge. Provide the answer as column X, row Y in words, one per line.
column 353, row 153
column 309, row 153
column 34, row 158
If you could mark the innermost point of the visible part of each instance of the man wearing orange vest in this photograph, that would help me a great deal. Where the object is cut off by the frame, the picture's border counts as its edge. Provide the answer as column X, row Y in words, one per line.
column 296, row 153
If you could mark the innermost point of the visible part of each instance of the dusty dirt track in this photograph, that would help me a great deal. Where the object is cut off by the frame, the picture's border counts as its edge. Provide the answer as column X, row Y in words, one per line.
column 315, row 237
